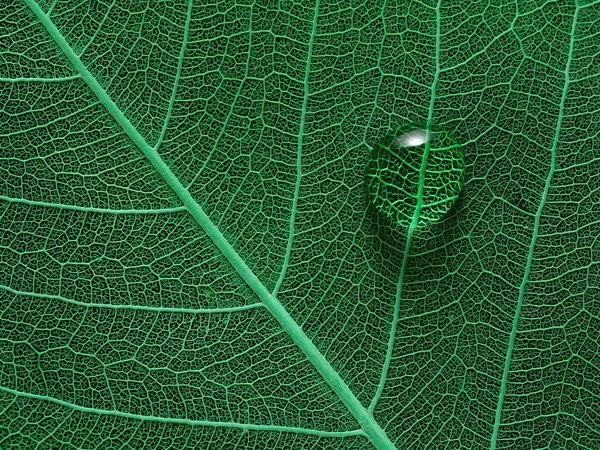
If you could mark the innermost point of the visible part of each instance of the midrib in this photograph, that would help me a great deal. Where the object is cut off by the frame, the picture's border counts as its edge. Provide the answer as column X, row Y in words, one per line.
column 372, row 429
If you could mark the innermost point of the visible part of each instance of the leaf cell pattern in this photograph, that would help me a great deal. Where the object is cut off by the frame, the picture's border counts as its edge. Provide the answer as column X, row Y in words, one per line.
column 187, row 259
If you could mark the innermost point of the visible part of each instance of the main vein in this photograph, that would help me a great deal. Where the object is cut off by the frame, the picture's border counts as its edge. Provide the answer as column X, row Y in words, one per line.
column 375, row 433
column 415, row 217
column 536, row 227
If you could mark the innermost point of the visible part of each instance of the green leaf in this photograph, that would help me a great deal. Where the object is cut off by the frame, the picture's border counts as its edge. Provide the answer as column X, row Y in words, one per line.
column 187, row 255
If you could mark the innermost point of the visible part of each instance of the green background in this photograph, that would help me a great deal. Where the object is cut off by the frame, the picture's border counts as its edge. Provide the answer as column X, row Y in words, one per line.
column 187, row 259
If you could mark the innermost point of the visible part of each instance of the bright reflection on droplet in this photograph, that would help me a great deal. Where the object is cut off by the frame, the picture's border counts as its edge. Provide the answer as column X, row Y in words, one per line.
column 412, row 138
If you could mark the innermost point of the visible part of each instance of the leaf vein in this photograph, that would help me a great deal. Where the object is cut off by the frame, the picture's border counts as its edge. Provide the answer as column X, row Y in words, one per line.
column 190, row 422
column 89, row 209
column 536, row 226
column 291, row 234
column 373, row 430
column 157, row 309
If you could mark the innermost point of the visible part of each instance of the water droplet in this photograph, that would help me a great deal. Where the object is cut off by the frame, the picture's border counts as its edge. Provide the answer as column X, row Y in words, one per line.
column 414, row 174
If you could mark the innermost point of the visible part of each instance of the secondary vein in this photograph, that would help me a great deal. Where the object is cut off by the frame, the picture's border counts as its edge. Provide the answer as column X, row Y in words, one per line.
column 177, row 76
column 538, row 216
column 190, row 422
column 39, row 80
column 92, row 209
column 414, row 221
column 156, row 309
column 238, row 94
column 290, row 241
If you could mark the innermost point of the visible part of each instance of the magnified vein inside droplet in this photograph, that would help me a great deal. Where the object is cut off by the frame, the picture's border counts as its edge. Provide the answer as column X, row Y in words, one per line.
column 393, row 174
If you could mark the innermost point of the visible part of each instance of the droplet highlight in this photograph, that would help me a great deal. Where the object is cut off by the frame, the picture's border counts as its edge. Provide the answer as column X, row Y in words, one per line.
column 414, row 174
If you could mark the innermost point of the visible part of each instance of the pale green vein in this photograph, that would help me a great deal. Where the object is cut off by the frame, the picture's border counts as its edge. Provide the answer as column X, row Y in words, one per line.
column 99, row 27
column 39, row 80
column 92, row 210
column 373, row 430
column 232, row 107
column 51, row 10
column 190, row 422
column 177, row 76
column 157, row 309
column 47, row 123
column 536, row 227
column 290, row 240
column 415, row 219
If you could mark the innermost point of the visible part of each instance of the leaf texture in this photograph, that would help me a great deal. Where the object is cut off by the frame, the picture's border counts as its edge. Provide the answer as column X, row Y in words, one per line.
column 188, row 259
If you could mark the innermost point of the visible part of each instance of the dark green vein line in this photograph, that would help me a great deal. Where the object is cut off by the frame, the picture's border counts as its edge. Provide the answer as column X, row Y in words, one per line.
column 290, row 241
column 414, row 221
column 177, row 76
column 375, row 433
column 536, row 228
column 174, row 420
column 93, row 210
column 158, row 309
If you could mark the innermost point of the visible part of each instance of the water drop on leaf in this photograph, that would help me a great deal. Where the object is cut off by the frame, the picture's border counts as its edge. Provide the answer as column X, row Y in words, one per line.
column 414, row 174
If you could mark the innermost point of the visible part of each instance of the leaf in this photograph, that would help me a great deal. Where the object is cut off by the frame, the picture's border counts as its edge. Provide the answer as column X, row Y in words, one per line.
column 187, row 259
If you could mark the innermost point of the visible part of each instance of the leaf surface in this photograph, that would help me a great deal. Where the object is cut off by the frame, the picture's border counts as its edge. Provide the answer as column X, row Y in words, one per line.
column 188, row 259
